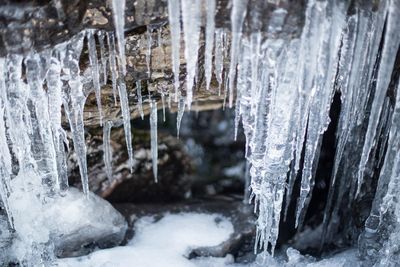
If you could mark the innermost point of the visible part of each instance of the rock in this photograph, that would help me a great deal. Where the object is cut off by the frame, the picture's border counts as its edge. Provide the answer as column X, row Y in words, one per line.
column 38, row 25
column 96, row 224
column 173, row 164
column 241, row 242
column 72, row 222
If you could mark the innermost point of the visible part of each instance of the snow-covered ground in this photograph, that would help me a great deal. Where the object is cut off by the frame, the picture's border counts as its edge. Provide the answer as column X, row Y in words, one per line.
column 168, row 241
column 164, row 243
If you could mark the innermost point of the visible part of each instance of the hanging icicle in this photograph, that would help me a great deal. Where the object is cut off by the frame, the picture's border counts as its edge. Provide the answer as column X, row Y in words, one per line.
column 153, row 135
column 107, row 150
column 94, row 66
column 174, row 11
column 118, row 7
column 191, row 30
column 210, row 31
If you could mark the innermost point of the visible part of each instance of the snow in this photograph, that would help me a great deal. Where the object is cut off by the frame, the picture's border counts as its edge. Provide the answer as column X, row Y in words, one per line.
column 165, row 243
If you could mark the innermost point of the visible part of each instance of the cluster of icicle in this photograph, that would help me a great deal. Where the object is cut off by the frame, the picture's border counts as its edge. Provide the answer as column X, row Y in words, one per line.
column 284, row 90
column 34, row 89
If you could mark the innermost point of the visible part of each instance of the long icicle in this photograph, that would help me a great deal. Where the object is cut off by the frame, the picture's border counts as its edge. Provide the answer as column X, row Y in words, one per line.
column 118, row 7
column 238, row 14
column 191, row 30
column 174, row 9
column 139, row 97
column 113, row 63
column 74, row 104
column 5, row 155
column 94, row 66
column 107, row 156
column 153, row 135
column 210, row 31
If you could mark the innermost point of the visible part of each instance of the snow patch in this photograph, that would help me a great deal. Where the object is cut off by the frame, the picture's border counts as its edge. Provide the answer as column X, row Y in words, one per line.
column 163, row 243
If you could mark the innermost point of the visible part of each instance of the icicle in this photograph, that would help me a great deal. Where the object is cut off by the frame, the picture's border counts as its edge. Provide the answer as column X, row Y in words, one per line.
column 210, row 31
column 219, row 57
column 191, row 29
column 118, row 7
column 94, row 66
column 126, row 117
column 148, row 53
column 237, row 17
column 153, row 134
column 390, row 46
column 45, row 154
column 175, row 28
column 17, row 113
column 163, row 105
column 54, row 90
column 139, row 97
column 107, row 156
column 246, row 196
column 5, row 155
column 103, row 58
column 74, row 103
column 322, row 94
column 113, row 64
column 181, row 111
column 159, row 37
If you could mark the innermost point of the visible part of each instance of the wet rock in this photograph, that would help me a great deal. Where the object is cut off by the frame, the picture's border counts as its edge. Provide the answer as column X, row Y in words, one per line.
column 241, row 242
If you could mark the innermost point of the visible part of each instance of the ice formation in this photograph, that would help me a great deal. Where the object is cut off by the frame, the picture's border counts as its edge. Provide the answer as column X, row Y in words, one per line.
column 282, row 86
